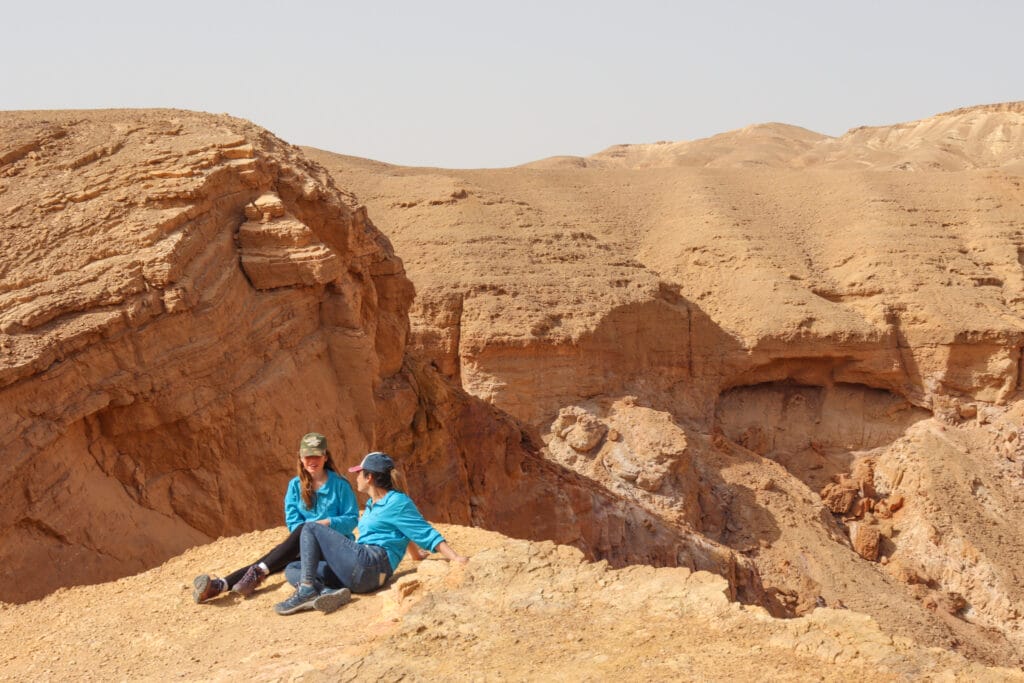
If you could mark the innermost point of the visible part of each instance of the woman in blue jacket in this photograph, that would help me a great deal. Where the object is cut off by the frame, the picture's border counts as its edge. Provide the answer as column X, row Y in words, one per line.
column 318, row 495
column 389, row 524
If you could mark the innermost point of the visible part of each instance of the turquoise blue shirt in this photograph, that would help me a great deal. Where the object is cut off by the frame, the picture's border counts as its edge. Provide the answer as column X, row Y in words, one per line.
column 335, row 500
column 392, row 522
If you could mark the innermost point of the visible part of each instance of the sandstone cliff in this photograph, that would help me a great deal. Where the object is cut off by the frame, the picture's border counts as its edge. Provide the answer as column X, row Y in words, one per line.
column 183, row 296
column 806, row 349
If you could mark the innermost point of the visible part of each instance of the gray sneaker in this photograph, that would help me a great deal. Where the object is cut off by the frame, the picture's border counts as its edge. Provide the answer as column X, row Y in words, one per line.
column 301, row 601
column 330, row 600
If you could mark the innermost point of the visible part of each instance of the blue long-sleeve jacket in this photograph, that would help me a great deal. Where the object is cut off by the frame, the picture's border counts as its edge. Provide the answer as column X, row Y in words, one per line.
column 335, row 500
column 392, row 522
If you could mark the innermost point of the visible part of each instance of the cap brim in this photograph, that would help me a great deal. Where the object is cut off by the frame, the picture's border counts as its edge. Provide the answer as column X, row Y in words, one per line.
column 355, row 469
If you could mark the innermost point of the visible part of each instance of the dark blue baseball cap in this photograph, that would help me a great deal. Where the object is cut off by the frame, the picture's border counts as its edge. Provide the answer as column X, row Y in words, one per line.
column 375, row 462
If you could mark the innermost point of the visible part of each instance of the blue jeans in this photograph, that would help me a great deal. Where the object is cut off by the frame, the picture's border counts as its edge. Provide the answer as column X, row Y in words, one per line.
column 327, row 557
column 293, row 573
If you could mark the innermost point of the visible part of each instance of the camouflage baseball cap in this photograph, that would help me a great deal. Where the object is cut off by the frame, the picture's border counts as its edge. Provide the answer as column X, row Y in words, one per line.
column 313, row 444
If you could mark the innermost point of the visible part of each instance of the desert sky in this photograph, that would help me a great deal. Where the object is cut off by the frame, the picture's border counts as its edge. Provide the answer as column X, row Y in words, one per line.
column 461, row 84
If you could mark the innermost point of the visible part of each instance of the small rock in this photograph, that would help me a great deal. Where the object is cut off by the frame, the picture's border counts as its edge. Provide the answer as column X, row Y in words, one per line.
column 586, row 434
column 865, row 539
column 967, row 411
column 839, row 497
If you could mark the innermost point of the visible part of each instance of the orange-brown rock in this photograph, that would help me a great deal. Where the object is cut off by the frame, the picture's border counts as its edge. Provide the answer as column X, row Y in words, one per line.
column 865, row 538
column 184, row 296
column 799, row 307
column 519, row 609
column 839, row 496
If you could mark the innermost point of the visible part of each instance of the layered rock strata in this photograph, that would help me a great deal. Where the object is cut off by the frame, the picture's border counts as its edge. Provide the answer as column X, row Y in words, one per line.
column 785, row 316
column 183, row 296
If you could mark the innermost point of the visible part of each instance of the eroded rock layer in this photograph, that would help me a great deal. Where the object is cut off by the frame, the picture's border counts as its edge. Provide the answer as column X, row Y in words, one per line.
column 182, row 297
column 806, row 349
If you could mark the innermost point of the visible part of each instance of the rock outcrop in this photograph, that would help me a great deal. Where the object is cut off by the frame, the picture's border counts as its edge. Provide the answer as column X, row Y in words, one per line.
column 181, row 295
column 797, row 316
column 519, row 609
column 184, row 295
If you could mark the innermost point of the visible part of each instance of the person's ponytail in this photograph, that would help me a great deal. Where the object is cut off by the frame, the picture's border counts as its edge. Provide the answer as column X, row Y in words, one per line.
column 398, row 481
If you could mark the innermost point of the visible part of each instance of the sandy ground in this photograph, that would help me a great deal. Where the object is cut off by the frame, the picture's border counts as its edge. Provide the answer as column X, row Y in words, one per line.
column 518, row 611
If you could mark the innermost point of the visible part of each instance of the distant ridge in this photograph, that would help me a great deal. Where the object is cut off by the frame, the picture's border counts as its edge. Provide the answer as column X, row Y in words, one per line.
column 982, row 136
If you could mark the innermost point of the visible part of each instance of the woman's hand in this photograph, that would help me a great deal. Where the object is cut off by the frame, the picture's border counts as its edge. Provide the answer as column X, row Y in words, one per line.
column 325, row 522
column 448, row 552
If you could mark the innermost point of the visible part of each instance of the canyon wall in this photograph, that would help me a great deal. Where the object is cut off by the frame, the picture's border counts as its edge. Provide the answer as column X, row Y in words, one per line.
column 782, row 342
column 183, row 296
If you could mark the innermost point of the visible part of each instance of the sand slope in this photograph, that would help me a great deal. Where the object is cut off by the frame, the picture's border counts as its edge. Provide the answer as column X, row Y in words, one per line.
column 518, row 610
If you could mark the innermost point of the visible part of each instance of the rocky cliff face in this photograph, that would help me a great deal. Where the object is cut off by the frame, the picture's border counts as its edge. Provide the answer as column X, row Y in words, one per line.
column 785, row 343
column 183, row 296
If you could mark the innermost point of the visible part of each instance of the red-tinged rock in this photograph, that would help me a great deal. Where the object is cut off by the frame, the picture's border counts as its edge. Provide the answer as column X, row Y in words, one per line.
column 839, row 497
column 865, row 539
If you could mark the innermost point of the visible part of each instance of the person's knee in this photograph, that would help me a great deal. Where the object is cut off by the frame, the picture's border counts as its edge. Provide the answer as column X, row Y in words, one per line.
column 314, row 529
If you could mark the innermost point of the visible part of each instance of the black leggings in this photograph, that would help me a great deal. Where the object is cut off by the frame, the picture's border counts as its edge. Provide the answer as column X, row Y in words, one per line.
column 277, row 559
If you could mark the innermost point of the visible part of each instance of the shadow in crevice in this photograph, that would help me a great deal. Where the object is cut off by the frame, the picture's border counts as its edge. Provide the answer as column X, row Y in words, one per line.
column 474, row 464
column 815, row 432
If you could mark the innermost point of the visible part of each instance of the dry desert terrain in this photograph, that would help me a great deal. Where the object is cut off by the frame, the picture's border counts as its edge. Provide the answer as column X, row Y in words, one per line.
column 684, row 402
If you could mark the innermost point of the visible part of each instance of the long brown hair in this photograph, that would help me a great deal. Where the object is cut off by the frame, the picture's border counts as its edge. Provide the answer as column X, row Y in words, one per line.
column 306, row 480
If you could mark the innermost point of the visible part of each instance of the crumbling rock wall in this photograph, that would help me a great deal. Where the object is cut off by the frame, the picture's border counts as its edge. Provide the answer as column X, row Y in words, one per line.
column 794, row 327
column 182, row 296
column 469, row 463
column 195, row 297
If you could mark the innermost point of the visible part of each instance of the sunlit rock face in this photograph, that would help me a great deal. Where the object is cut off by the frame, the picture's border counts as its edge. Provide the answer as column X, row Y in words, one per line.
column 182, row 297
column 804, row 349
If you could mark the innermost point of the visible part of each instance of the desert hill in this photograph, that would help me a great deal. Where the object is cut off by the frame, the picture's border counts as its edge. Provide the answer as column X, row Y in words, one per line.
column 800, row 377
column 813, row 361
column 987, row 136
column 519, row 609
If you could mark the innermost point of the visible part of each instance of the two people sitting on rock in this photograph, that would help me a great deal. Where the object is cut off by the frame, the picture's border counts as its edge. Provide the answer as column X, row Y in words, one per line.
column 326, row 562
column 332, row 566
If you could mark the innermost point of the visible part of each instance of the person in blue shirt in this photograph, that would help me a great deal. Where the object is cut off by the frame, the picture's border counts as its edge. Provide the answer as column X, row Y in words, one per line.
column 318, row 496
column 390, row 523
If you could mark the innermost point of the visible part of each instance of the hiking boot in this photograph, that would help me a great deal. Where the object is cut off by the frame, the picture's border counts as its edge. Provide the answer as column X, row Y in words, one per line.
column 301, row 601
column 204, row 588
column 330, row 600
column 249, row 582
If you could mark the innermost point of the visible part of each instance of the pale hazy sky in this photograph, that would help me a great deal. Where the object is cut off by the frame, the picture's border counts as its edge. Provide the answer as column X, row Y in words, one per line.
column 474, row 84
